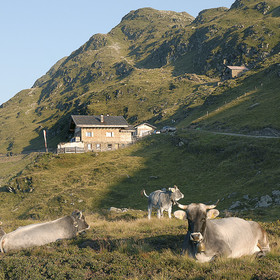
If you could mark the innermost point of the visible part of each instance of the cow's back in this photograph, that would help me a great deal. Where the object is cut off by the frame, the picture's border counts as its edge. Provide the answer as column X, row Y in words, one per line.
column 38, row 234
column 159, row 198
column 237, row 234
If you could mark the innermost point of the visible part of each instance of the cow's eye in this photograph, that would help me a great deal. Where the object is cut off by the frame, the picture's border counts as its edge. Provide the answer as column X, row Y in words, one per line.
column 190, row 223
column 203, row 220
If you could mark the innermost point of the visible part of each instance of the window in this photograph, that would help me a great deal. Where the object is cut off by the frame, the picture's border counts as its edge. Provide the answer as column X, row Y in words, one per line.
column 89, row 134
column 89, row 147
column 109, row 134
column 109, row 146
column 98, row 146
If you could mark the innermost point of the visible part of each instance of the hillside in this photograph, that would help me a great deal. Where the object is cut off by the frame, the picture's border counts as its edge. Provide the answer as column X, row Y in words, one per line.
column 126, row 245
column 229, row 167
column 162, row 67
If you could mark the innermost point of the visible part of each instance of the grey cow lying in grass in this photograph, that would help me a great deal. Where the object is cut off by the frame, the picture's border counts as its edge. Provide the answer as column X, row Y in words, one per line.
column 40, row 234
column 231, row 237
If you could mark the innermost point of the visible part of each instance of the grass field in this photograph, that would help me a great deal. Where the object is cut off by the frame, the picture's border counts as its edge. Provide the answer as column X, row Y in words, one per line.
column 127, row 245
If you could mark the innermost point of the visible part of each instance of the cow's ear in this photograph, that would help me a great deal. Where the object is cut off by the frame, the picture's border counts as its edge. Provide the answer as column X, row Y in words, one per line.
column 172, row 189
column 180, row 214
column 213, row 213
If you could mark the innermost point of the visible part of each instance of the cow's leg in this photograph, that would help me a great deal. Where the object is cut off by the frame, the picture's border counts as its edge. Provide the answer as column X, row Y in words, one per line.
column 159, row 213
column 149, row 212
column 223, row 249
column 169, row 212
column 263, row 243
column 262, row 240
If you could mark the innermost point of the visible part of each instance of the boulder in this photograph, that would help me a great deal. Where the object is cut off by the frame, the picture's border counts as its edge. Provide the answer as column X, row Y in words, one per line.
column 236, row 204
column 264, row 201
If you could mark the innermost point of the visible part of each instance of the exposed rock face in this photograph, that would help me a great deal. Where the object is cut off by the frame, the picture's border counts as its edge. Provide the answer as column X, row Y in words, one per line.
column 265, row 201
column 149, row 15
column 262, row 7
column 123, row 69
column 238, row 4
column 236, row 204
column 120, row 210
column 22, row 184
column 256, row 202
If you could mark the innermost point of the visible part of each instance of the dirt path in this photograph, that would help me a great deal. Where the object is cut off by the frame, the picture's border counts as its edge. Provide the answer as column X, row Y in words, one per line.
column 243, row 135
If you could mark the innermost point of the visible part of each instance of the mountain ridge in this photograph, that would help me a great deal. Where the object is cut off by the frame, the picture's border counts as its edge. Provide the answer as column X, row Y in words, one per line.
column 156, row 66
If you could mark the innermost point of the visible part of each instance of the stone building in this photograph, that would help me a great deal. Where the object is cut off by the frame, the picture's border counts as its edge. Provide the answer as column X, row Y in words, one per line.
column 98, row 133
column 144, row 129
column 234, row 71
column 102, row 133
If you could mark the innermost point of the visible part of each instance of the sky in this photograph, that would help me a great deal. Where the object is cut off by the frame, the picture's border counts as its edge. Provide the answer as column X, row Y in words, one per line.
column 36, row 34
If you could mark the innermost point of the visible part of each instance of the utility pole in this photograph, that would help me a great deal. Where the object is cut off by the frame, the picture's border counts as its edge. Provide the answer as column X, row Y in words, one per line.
column 45, row 138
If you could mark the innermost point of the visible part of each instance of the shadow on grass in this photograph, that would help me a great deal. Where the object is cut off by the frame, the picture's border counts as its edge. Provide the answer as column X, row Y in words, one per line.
column 158, row 243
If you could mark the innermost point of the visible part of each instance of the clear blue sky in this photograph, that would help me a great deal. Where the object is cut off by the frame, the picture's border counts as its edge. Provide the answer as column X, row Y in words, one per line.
column 37, row 33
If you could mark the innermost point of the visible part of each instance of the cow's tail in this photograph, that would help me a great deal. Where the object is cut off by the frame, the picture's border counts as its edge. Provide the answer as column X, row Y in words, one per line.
column 144, row 193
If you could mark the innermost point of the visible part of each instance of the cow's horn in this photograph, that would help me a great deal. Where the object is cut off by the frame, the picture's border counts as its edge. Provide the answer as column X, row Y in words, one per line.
column 184, row 207
column 213, row 205
column 80, row 215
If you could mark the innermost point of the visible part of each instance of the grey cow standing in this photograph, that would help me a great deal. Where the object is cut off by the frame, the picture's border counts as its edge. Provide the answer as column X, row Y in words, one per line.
column 43, row 233
column 163, row 200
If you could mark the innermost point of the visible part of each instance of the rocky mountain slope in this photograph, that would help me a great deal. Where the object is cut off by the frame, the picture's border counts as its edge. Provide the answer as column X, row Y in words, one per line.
column 163, row 67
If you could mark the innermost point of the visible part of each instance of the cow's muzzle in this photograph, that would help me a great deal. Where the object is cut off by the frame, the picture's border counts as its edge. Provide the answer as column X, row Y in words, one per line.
column 196, row 237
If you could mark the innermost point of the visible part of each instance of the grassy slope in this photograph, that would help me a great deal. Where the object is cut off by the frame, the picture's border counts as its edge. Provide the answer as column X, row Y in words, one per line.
column 127, row 245
column 248, row 104
column 220, row 164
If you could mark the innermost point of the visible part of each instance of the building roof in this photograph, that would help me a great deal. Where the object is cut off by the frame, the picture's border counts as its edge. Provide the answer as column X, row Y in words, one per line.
column 130, row 128
column 147, row 124
column 237, row 67
column 95, row 121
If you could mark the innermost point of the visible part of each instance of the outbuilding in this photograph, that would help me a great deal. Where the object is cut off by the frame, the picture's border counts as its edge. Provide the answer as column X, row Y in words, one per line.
column 144, row 129
column 234, row 71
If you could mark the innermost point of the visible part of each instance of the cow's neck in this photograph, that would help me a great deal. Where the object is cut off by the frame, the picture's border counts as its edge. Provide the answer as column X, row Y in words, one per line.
column 75, row 224
column 208, row 235
column 172, row 197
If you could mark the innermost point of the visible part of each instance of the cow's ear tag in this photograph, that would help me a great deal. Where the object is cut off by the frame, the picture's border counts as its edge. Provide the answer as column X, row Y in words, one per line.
column 212, row 214
column 172, row 189
column 180, row 214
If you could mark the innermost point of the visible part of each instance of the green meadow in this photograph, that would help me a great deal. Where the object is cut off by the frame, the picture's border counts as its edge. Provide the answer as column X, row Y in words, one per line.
column 126, row 245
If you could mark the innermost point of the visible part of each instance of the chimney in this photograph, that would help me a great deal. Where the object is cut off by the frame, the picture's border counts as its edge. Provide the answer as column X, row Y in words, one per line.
column 102, row 118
